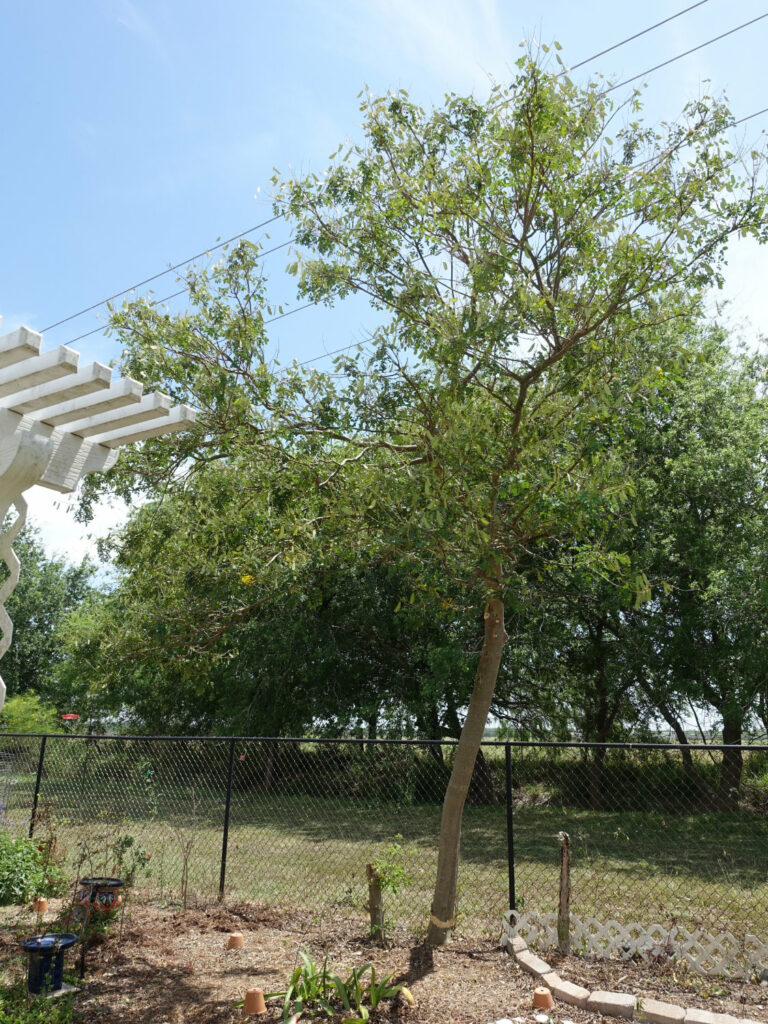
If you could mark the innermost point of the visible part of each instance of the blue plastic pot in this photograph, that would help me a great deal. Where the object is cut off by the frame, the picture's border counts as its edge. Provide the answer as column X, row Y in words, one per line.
column 46, row 960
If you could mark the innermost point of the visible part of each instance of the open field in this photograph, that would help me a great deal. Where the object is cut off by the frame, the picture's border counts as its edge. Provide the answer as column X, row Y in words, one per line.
column 700, row 871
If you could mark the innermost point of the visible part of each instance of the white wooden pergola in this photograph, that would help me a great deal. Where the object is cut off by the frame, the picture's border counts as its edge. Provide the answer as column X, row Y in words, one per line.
column 57, row 423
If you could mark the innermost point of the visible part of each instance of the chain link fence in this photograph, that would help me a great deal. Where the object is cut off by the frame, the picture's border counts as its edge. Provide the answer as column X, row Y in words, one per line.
column 662, row 834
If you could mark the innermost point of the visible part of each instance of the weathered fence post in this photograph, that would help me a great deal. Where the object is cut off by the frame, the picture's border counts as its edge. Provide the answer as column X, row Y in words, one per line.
column 564, row 905
column 227, row 805
column 375, row 903
column 39, row 775
column 510, row 829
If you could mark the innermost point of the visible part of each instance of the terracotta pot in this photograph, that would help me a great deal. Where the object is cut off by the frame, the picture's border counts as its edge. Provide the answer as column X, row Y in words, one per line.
column 40, row 906
column 542, row 999
column 235, row 941
column 254, row 1002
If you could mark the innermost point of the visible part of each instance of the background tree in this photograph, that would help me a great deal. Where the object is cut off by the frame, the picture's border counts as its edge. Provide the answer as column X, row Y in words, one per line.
column 47, row 591
column 704, row 526
column 345, row 647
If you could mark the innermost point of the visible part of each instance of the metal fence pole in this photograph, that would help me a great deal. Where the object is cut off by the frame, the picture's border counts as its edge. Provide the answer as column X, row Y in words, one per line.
column 225, row 838
column 39, row 775
column 510, row 828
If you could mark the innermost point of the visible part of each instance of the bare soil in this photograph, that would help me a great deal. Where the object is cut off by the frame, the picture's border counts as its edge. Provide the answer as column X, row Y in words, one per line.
column 171, row 966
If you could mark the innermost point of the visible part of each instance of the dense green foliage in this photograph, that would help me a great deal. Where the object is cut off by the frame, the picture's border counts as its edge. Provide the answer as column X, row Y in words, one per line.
column 16, row 1007
column 26, row 871
column 47, row 591
column 27, row 712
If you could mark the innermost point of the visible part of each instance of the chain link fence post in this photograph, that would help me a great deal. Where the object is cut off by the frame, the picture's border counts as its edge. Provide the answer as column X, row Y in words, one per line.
column 510, row 827
column 36, row 796
column 227, row 807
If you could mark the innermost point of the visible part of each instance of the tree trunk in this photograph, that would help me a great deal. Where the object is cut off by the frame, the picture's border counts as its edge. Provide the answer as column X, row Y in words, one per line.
column 596, row 776
column 373, row 730
column 269, row 768
column 698, row 783
column 444, row 900
column 430, row 729
column 481, row 789
column 732, row 763
column 762, row 711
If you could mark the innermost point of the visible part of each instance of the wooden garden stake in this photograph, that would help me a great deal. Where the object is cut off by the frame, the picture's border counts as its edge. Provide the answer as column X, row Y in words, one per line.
column 375, row 905
column 564, row 906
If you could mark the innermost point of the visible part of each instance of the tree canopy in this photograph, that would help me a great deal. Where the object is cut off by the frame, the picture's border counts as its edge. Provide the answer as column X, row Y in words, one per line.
column 537, row 260
column 49, row 588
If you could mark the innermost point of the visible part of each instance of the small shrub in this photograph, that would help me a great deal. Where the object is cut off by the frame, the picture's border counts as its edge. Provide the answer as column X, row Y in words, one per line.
column 26, row 872
column 16, row 1007
column 313, row 988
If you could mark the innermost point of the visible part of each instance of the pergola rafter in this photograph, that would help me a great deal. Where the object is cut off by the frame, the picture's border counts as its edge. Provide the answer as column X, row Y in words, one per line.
column 58, row 423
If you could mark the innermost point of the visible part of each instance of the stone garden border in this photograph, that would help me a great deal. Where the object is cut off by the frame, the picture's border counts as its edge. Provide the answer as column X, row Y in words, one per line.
column 612, row 1004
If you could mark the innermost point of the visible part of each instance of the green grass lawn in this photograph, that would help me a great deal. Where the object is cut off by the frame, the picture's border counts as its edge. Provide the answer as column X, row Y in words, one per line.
column 702, row 870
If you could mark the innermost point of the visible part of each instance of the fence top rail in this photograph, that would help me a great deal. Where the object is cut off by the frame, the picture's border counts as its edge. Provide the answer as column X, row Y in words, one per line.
column 358, row 741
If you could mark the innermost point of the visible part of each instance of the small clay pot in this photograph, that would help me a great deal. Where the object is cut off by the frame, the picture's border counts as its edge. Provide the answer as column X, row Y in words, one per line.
column 235, row 941
column 40, row 905
column 542, row 999
column 254, row 1002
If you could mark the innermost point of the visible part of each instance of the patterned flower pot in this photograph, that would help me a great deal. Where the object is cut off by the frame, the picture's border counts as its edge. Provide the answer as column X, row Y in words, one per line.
column 46, row 960
column 98, row 895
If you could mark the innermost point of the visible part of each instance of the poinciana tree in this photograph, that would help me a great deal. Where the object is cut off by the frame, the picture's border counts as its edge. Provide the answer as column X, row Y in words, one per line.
column 522, row 253
column 523, row 258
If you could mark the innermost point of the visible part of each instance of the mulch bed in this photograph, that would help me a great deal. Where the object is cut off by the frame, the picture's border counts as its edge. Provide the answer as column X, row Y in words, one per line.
column 172, row 967
column 666, row 980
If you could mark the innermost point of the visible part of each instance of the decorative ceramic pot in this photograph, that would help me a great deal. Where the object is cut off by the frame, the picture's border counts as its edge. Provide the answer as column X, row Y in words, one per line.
column 99, row 895
column 46, row 960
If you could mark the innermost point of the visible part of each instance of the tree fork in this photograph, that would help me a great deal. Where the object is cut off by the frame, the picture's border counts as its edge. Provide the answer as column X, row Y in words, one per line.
column 442, row 917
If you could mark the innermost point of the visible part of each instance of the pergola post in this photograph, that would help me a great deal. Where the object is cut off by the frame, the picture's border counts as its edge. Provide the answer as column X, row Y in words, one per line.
column 57, row 423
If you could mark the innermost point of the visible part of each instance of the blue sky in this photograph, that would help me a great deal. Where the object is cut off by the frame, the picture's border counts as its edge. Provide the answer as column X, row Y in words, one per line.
column 136, row 134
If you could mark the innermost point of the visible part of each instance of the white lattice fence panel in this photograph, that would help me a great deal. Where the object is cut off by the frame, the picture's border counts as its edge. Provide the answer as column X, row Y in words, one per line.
column 721, row 954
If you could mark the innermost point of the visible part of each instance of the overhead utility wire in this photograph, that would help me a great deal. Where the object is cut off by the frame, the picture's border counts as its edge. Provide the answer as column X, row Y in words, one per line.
column 637, row 35
column 175, row 295
column 680, row 56
column 241, row 234
column 290, row 312
column 159, row 302
column 307, row 305
column 256, row 227
column 749, row 117
column 170, row 270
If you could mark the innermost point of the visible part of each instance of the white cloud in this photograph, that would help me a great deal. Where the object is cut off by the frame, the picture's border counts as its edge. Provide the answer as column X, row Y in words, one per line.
column 450, row 38
column 744, row 289
column 10, row 321
column 53, row 514
column 130, row 17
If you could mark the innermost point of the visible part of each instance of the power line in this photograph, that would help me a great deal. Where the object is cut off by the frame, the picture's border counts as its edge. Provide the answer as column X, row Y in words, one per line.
column 290, row 312
column 100, row 330
column 680, row 56
column 175, row 295
column 637, row 35
column 749, row 117
column 170, row 270
column 327, row 355
column 159, row 302
column 271, row 220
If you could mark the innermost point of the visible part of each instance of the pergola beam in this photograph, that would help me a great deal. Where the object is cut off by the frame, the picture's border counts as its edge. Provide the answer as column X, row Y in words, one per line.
column 57, row 424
